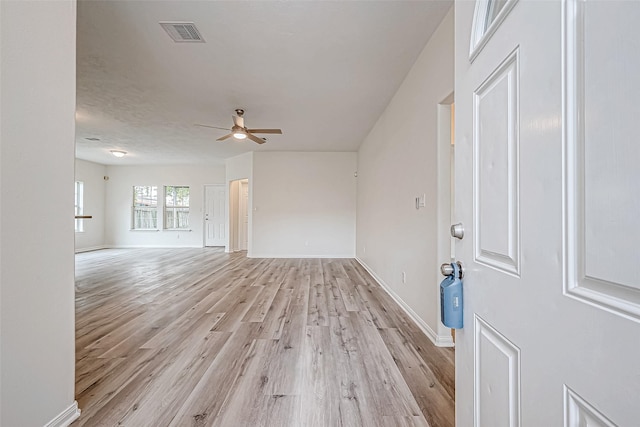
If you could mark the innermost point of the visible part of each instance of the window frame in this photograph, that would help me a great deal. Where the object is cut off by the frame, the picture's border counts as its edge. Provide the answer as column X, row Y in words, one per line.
column 151, row 207
column 484, row 26
column 176, row 208
column 79, row 205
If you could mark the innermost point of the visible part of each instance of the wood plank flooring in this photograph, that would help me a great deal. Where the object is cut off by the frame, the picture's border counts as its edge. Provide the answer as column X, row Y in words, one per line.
column 197, row 337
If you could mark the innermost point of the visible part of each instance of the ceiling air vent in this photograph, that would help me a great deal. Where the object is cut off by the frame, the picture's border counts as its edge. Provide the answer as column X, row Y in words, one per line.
column 182, row 31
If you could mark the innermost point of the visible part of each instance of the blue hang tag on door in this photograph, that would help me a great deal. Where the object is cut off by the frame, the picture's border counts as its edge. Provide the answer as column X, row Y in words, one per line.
column 451, row 299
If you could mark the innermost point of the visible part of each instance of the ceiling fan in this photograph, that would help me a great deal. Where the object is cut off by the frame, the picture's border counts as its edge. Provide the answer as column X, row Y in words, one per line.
column 239, row 131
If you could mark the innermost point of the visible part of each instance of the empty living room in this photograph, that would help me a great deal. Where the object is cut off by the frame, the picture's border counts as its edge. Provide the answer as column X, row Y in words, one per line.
column 319, row 213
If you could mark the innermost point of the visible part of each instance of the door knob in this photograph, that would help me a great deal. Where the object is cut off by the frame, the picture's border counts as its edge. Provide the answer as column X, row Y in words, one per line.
column 457, row 231
column 447, row 269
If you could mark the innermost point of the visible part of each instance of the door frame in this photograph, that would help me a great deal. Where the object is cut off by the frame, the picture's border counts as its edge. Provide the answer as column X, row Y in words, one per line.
column 233, row 218
column 445, row 247
column 243, row 211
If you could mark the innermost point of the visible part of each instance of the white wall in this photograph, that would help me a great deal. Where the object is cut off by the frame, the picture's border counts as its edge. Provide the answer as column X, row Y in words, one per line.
column 304, row 204
column 1, row 143
column 37, row 129
column 396, row 163
column 92, row 176
column 236, row 168
column 119, row 193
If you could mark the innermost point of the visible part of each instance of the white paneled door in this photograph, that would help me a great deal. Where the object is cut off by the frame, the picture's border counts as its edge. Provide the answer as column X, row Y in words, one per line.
column 547, row 168
column 215, row 199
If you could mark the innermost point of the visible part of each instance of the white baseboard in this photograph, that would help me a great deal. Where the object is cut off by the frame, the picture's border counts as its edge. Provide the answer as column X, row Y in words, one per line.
column 438, row 340
column 65, row 417
column 91, row 248
column 153, row 246
column 345, row 256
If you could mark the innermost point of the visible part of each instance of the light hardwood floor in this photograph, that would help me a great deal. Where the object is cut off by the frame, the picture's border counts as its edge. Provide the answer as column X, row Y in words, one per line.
column 197, row 337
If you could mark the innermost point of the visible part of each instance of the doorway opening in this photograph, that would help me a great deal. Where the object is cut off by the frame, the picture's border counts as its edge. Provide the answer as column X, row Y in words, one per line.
column 238, row 215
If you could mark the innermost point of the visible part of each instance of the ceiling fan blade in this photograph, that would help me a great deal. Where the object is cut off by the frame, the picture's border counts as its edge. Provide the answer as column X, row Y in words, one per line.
column 278, row 131
column 238, row 121
column 255, row 138
column 222, row 138
column 208, row 126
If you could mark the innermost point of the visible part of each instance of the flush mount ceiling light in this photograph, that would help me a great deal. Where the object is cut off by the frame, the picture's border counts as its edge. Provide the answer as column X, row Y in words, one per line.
column 118, row 153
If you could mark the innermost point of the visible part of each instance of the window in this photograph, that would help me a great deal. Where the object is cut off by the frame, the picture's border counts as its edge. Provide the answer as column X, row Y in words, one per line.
column 176, row 207
column 145, row 207
column 79, row 189
column 487, row 17
column 493, row 9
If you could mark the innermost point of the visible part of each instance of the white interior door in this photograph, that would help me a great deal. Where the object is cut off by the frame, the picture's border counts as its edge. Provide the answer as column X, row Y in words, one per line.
column 547, row 182
column 214, row 221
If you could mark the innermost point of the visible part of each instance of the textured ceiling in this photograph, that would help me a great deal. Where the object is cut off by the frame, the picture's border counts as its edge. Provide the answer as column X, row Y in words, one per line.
column 322, row 71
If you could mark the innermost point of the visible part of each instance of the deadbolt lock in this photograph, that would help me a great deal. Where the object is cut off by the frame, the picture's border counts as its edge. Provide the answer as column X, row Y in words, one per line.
column 457, row 231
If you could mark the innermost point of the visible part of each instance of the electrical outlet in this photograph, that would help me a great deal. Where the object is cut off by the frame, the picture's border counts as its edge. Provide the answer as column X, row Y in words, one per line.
column 404, row 277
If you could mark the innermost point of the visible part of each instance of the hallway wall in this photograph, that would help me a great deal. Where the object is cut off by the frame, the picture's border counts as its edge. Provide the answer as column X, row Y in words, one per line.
column 37, row 130
column 397, row 162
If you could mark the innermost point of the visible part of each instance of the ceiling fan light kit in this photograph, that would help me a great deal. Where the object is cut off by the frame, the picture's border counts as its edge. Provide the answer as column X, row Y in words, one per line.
column 240, row 132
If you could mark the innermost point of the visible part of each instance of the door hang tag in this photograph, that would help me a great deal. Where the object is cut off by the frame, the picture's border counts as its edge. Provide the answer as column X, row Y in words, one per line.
column 451, row 301
column 457, row 273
